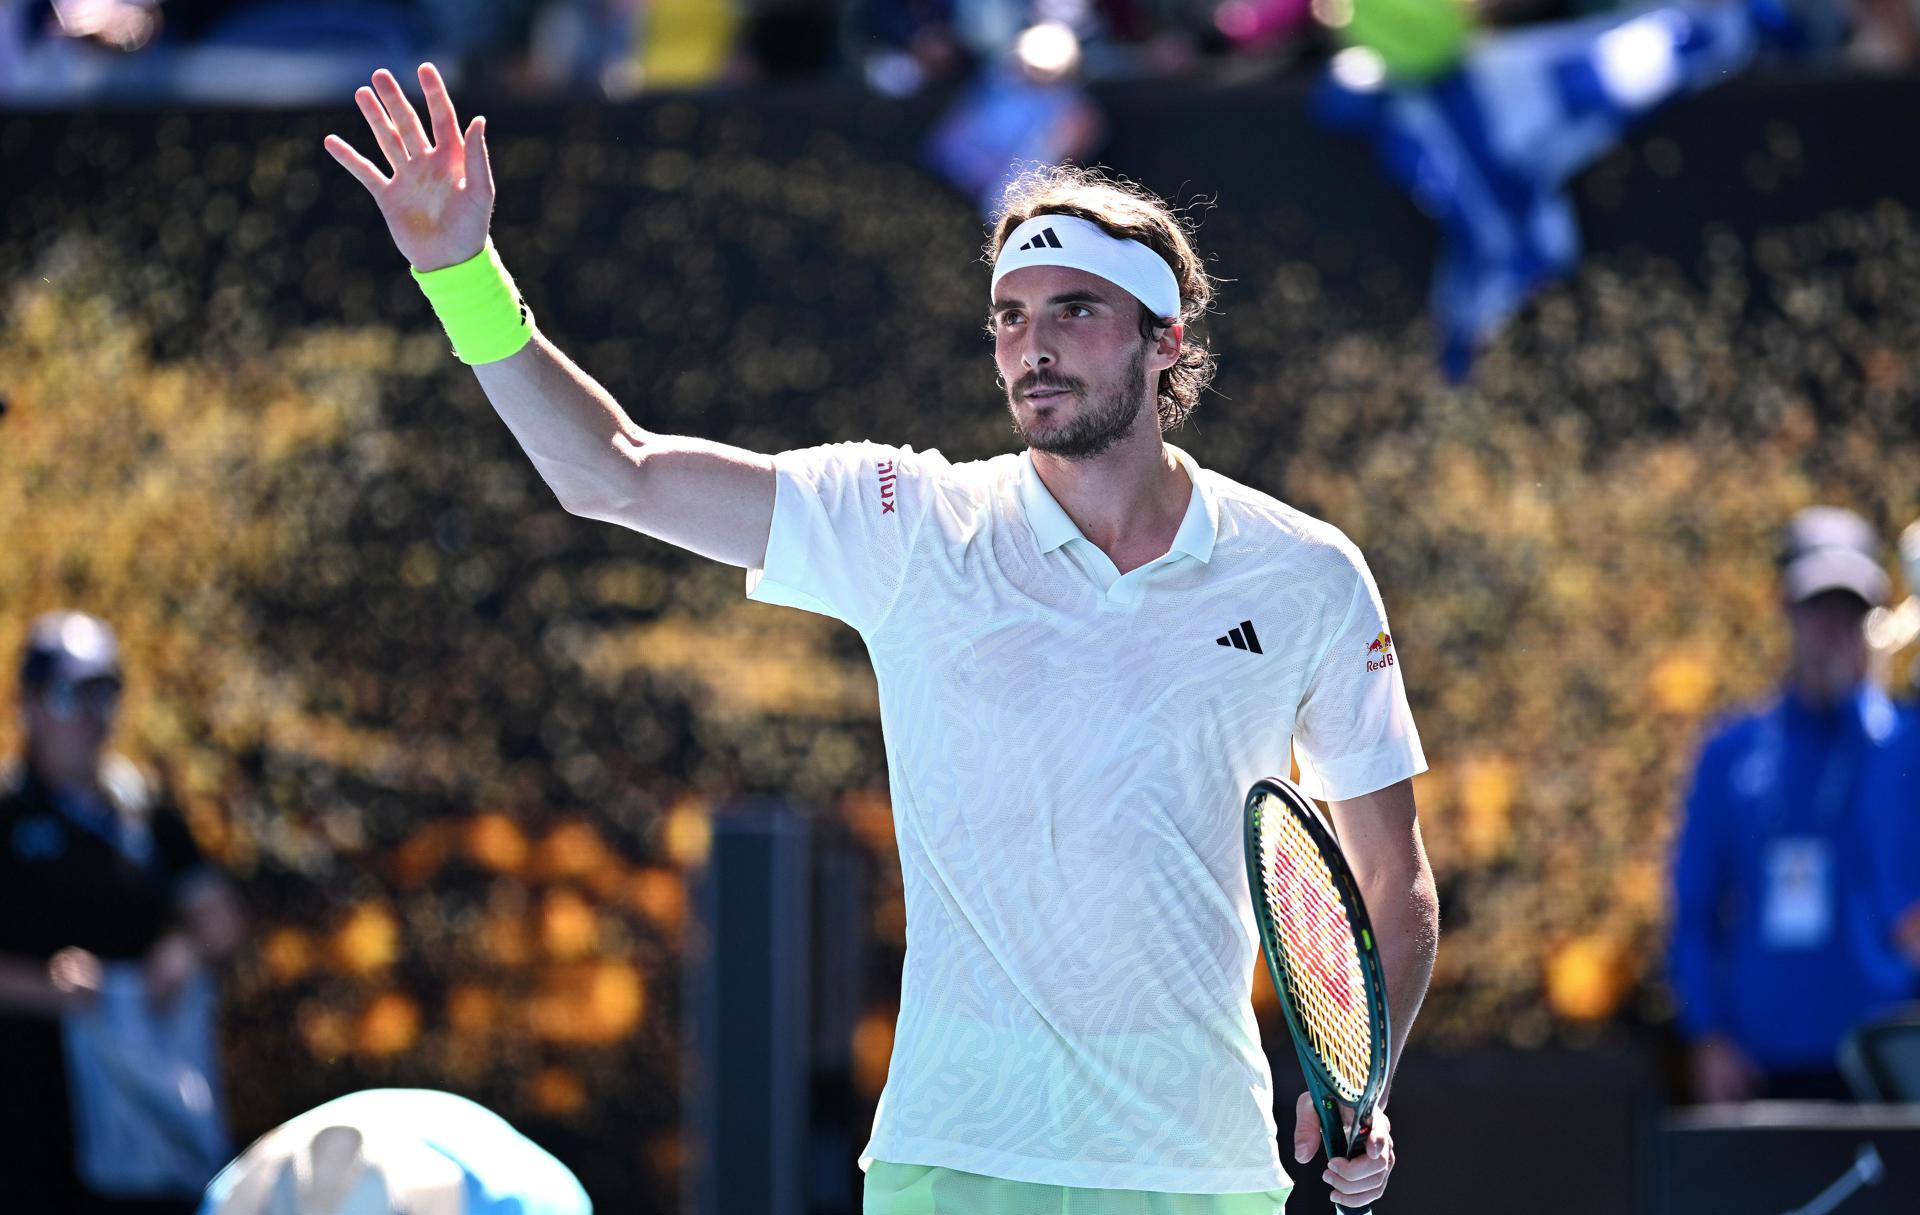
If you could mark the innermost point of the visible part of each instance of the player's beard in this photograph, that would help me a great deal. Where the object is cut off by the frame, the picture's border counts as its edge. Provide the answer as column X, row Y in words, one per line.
column 1109, row 415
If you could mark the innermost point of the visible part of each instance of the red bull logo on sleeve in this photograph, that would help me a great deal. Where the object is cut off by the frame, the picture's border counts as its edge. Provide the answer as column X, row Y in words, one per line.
column 1383, row 647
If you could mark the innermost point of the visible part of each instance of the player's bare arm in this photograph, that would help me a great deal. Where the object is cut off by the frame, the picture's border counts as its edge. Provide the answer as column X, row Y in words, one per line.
column 437, row 198
column 1380, row 835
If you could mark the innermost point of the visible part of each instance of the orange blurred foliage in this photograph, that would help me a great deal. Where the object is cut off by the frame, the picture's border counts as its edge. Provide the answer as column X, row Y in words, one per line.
column 873, row 1051
column 473, row 1010
column 415, row 861
column 495, row 841
column 574, row 850
column 326, row 1032
column 1683, row 683
column 1586, row 977
column 1486, row 787
column 557, row 1092
column 389, row 1025
column 288, row 953
column 1266, row 1001
column 367, row 941
column 660, row 895
column 587, row 1003
column 688, row 834
column 507, row 939
column 869, row 812
column 569, row 926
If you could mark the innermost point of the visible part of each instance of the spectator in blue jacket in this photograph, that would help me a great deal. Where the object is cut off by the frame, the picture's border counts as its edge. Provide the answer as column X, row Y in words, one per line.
column 1795, row 863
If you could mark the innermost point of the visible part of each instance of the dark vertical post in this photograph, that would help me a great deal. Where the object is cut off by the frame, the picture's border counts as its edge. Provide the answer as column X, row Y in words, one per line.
column 840, row 911
column 748, row 1017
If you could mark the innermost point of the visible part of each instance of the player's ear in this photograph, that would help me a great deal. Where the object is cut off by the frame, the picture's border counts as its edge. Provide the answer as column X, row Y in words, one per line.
column 1167, row 343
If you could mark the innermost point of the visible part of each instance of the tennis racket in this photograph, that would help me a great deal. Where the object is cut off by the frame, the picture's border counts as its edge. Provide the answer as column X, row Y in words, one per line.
column 1321, row 953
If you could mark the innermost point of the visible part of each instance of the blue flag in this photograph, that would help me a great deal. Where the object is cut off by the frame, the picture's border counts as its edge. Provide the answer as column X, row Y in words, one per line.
column 1488, row 148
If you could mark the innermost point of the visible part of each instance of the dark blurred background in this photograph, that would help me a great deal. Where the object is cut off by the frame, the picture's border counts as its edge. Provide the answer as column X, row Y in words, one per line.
column 468, row 756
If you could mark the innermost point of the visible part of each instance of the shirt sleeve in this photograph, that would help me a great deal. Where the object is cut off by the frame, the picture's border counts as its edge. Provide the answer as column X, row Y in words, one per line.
column 845, row 519
column 180, row 857
column 1901, row 860
column 1700, row 871
column 1354, row 733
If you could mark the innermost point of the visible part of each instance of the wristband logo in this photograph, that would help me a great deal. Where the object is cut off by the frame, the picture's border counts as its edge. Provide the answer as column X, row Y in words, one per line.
column 1383, row 646
column 887, row 482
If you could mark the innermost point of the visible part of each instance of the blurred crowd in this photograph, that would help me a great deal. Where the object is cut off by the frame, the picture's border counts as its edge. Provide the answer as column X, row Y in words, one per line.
column 300, row 52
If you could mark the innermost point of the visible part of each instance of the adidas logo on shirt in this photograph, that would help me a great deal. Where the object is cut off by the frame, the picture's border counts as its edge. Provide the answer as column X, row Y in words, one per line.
column 1046, row 240
column 1242, row 637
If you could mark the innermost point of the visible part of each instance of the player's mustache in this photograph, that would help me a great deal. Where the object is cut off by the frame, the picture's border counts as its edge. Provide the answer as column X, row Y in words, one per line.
column 1035, row 379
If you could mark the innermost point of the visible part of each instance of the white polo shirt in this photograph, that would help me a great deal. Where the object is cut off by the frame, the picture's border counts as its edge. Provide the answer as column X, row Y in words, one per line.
column 1068, row 748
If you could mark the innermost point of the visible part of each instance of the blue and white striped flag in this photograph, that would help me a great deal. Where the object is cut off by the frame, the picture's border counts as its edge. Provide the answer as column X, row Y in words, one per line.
column 1488, row 149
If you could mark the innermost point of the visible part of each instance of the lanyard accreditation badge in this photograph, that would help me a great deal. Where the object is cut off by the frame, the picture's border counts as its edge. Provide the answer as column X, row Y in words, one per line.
column 1797, row 912
column 1797, row 866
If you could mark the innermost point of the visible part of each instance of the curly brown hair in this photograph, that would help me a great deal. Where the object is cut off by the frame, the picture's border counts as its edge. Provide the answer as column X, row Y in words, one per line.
column 1129, row 212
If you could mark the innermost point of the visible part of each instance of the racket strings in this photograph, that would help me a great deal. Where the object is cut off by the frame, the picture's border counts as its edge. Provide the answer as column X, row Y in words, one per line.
column 1322, row 972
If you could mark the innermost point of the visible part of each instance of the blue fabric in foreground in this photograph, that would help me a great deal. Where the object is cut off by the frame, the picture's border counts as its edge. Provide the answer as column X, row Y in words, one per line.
column 506, row 1173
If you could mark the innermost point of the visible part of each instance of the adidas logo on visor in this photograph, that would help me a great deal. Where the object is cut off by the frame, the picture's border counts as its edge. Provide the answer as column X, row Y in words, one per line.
column 1046, row 240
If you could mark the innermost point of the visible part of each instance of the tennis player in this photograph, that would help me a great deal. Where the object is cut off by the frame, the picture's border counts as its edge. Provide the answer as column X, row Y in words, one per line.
column 1086, row 652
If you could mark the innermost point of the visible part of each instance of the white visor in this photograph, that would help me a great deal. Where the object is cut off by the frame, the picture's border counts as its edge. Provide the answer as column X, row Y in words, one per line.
column 1078, row 244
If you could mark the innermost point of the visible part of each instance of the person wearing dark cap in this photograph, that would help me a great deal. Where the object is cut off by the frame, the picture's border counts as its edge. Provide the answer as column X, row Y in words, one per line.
column 110, row 923
column 1787, row 884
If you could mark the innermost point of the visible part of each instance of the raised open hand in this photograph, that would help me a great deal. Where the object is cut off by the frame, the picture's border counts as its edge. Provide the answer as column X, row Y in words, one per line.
column 439, row 200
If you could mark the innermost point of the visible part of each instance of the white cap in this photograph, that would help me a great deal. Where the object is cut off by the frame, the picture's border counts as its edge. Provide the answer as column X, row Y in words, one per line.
column 72, row 646
column 1079, row 244
column 1828, row 548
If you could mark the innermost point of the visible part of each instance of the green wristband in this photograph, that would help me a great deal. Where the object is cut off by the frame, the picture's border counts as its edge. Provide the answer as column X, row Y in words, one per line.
column 478, row 304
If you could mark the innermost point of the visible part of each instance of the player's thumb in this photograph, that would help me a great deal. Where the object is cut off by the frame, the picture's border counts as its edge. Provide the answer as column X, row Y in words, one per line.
column 1306, row 1128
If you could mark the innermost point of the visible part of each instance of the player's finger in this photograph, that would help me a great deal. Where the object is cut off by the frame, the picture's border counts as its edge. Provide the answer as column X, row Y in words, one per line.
column 446, row 127
column 1379, row 1134
column 384, row 133
column 413, row 136
column 1361, row 1200
column 1306, row 1128
column 479, row 165
column 363, row 170
column 1355, row 1171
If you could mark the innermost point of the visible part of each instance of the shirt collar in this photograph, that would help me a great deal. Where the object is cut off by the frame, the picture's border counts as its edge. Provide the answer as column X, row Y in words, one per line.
column 1867, row 706
column 1052, row 527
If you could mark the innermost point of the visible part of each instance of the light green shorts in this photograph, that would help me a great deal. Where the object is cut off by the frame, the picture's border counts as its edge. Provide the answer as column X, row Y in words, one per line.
column 922, row 1189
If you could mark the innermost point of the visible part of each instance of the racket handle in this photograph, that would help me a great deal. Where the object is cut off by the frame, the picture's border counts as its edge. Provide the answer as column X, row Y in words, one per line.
column 1359, row 1139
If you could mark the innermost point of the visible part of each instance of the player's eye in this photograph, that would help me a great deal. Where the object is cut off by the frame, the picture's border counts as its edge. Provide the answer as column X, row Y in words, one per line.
column 1079, row 310
column 1009, row 317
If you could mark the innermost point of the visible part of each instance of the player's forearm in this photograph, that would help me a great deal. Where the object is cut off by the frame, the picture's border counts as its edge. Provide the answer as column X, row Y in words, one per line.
column 1405, row 910
column 581, row 442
